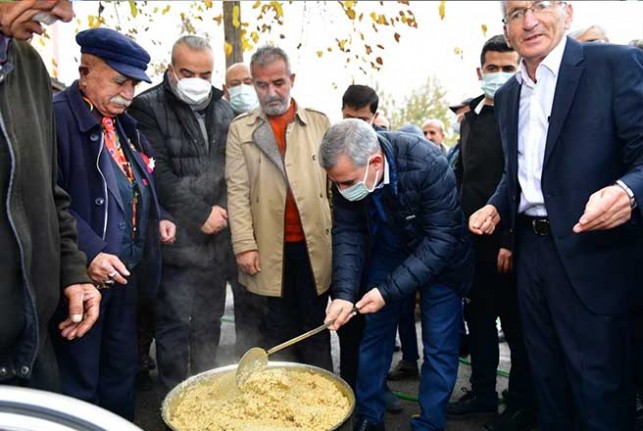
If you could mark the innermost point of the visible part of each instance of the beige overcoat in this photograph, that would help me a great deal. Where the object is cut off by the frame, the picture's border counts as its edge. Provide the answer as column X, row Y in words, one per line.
column 258, row 179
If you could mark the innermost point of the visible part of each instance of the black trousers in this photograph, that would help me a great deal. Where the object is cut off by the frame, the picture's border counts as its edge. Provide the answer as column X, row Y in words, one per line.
column 298, row 310
column 580, row 360
column 493, row 295
column 190, row 304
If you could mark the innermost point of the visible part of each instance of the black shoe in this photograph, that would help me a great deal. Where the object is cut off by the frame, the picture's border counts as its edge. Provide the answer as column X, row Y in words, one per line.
column 404, row 370
column 393, row 403
column 471, row 405
column 363, row 424
column 513, row 420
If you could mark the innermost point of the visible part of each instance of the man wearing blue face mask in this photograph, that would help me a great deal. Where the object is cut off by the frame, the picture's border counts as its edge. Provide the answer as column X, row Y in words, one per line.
column 238, row 89
column 397, row 227
column 479, row 167
column 186, row 120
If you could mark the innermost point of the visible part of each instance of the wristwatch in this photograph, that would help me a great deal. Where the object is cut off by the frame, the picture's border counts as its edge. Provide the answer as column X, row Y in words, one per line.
column 629, row 192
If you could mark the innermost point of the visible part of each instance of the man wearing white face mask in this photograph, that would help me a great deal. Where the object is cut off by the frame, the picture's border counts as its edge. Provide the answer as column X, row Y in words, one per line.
column 186, row 119
column 238, row 89
column 479, row 167
column 397, row 227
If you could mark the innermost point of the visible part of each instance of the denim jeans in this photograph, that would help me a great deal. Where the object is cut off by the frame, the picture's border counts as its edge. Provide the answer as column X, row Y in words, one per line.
column 441, row 312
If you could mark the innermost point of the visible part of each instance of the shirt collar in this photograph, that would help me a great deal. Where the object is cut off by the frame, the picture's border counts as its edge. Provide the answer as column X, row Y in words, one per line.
column 387, row 176
column 552, row 62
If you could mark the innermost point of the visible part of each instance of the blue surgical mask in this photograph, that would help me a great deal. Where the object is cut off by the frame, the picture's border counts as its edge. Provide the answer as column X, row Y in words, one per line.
column 243, row 98
column 491, row 82
column 359, row 191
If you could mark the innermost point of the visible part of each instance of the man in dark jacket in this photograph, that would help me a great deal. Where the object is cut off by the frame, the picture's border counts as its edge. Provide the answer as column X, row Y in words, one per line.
column 40, row 258
column 105, row 166
column 493, row 292
column 186, row 120
column 397, row 227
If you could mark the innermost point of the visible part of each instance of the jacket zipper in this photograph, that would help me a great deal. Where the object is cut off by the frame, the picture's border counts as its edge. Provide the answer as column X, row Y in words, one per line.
column 32, row 302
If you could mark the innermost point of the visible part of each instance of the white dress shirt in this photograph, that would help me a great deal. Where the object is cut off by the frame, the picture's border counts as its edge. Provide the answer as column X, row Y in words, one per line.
column 536, row 100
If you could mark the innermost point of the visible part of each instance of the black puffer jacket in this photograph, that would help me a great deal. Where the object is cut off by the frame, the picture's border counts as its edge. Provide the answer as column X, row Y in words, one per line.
column 190, row 173
column 423, row 207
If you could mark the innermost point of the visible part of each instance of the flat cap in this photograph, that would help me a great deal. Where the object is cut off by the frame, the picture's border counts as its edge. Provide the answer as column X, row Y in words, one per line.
column 117, row 50
column 465, row 102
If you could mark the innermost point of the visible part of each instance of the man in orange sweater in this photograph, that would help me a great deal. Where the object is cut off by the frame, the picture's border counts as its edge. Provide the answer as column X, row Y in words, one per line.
column 279, row 210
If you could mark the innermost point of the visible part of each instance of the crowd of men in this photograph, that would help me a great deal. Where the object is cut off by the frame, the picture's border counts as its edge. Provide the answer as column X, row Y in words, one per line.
column 125, row 217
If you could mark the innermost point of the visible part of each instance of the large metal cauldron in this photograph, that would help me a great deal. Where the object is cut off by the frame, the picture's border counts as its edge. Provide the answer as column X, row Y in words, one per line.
column 171, row 400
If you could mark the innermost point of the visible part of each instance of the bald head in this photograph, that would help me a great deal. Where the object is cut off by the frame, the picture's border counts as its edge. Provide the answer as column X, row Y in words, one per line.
column 237, row 74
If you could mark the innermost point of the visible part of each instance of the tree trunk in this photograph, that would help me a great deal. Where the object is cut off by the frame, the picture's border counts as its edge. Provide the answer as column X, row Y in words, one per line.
column 231, row 33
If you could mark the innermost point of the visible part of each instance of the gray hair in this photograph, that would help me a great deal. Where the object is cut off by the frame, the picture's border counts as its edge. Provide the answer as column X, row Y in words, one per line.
column 268, row 54
column 576, row 34
column 194, row 43
column 352, row 137
column 434, row 122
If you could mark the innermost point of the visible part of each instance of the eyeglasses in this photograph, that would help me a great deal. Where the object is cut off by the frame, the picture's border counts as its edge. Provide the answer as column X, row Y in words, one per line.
column 538, row 8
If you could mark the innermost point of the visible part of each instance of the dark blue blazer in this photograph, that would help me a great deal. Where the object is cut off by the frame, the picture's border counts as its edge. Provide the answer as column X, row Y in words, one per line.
column 86, row 172
column 595, row 138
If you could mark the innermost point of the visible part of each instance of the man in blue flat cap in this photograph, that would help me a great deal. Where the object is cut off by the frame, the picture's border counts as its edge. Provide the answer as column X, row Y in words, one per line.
column 106, row 167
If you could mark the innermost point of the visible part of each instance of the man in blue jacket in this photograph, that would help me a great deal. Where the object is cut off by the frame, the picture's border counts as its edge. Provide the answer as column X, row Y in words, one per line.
column 106, row 167
column 397, row 227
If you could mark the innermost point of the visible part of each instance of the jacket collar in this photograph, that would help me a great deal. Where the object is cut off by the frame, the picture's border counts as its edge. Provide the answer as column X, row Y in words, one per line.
column 388, row 150
column 87, row 121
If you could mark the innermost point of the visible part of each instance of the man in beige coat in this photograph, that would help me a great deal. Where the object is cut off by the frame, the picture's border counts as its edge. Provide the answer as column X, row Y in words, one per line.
column 278, row 208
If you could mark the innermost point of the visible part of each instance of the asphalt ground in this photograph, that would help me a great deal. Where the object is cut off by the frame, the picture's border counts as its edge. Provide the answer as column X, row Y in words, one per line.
column 148, row 404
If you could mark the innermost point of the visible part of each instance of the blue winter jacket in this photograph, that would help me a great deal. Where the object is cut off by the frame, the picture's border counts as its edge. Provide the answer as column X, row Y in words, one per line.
column 423, row 209
column 85, row 171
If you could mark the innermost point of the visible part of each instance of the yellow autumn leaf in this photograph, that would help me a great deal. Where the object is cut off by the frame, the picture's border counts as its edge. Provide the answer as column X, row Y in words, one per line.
column 484, row 29
column 442, row 9
column 208, row 4
column 279, row 11
column 236, row 12
column 256, row 5
column 320, row 54
column 227, row 48
column 254, row 36
column 165, row 10
column 349, row 4
column 93, row 21
column 132, row 8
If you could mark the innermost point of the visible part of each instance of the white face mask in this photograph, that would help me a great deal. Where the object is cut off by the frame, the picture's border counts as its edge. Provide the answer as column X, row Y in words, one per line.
column 243, row 98
column 455, row 125
column 193, row 91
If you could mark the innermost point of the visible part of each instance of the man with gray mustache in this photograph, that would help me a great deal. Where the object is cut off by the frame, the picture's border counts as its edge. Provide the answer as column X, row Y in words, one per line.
column 106, row 166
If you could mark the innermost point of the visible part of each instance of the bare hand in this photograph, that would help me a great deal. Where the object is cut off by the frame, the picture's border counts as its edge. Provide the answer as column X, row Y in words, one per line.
column 339, row 312
column 84, row 307
column 371, row 302
column 167, row 230
column 216, row 222
column 106, row 269
column 248, row 262
column 607, row 208
column 484, row 221
column 505, row 261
